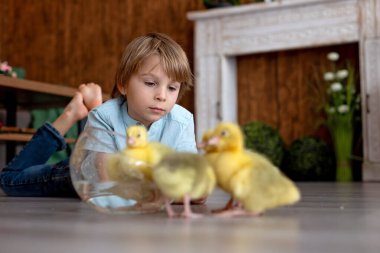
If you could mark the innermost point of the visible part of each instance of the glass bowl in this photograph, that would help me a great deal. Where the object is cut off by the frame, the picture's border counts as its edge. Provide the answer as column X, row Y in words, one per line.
column 98, row 172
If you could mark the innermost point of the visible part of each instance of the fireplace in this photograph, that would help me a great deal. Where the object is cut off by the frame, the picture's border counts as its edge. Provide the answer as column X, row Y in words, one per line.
column 223, row 34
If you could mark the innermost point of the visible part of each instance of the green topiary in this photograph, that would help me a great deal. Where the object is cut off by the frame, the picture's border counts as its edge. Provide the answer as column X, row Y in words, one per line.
column 264, row 139
column 309, row 159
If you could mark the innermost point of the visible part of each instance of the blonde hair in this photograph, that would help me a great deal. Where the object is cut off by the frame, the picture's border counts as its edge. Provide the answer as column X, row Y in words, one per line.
column 172, row 57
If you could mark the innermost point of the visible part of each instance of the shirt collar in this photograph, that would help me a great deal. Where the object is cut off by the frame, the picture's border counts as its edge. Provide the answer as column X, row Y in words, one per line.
column 128, row 121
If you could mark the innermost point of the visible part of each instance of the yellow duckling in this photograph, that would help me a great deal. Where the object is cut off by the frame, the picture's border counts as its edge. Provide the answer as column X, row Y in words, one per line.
column 184, row 176
column 249, row 177
column 138, row 158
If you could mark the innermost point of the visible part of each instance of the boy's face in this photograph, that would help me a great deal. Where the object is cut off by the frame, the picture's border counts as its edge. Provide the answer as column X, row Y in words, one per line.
column 150, row 92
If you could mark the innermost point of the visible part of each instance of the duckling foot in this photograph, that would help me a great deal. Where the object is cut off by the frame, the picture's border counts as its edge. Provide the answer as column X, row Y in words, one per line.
column 229, row 206
column 169, row 209
column 187, row 213
column 191, row 215
column 237, row 212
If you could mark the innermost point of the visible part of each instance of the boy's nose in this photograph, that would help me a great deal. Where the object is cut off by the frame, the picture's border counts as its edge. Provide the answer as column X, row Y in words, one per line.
column 161, row 95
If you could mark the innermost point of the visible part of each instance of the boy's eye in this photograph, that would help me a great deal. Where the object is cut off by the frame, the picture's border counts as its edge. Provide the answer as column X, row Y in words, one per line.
column 150, row 83
column 172, row 88
column 224, row 133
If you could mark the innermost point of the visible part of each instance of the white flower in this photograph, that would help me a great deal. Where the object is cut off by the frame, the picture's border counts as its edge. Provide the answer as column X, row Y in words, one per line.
column 331, row 110
column 341, row 74
column 333, row 56
column 335, row 87
column 342, row 108
column 329, row 76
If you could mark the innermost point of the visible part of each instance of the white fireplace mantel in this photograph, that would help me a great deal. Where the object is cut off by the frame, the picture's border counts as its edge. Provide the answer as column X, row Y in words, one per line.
column 222, row 34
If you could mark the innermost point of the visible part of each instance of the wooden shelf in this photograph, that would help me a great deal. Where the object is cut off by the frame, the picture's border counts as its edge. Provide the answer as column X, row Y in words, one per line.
column 24, row 137
column 21, row 134
column 16, row 94
column 35, row 86
column 33, row 94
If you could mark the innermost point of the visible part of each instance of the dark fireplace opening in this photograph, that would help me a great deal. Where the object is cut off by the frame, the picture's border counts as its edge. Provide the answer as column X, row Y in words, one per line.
column 276, row 88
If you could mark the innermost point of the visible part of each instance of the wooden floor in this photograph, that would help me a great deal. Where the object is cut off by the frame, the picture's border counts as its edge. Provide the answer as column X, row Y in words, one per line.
column 330, row 218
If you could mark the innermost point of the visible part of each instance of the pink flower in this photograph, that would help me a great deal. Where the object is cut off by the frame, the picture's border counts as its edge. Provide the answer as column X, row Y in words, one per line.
column 5, row 67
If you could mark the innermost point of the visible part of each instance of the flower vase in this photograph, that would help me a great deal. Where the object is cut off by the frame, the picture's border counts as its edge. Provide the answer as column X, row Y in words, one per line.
column 343, row 138
column 344, row 170
column 341, row 102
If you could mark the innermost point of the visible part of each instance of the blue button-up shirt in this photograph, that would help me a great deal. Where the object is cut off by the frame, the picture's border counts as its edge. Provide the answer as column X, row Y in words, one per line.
column 106, row 128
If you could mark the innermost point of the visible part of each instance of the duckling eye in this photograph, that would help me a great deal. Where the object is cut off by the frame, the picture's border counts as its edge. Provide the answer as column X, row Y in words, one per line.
column 223, row 133
column 138, row 135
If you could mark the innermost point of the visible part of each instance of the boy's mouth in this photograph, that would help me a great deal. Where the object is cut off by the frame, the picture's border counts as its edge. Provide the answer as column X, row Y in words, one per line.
column 157, row 109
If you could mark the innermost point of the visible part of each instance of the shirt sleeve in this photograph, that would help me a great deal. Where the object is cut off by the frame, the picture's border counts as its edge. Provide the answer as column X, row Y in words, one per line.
column 99, row 134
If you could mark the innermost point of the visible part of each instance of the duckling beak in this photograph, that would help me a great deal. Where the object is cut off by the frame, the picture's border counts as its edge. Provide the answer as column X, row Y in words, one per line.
column 130, row 141
column 201, row 145
column 213, row 141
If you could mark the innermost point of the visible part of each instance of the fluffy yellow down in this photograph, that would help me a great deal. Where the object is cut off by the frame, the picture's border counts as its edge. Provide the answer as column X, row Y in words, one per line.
column 248, row 176
column 182, row 173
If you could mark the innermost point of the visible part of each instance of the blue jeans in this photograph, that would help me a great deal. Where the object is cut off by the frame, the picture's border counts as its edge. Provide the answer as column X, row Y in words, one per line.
column 28, row 175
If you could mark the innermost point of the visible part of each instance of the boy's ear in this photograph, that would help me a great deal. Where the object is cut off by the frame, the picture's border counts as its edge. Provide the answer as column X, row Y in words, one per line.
column 121, row 88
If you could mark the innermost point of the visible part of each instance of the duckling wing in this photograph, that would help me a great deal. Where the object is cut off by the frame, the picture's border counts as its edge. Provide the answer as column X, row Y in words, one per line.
column 157, row 151
column 178, row 174
column 125, row 168
column 263, row 186
column 205, row 181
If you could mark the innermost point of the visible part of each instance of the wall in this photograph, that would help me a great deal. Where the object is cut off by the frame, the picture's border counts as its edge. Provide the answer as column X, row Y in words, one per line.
column 71, row 42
